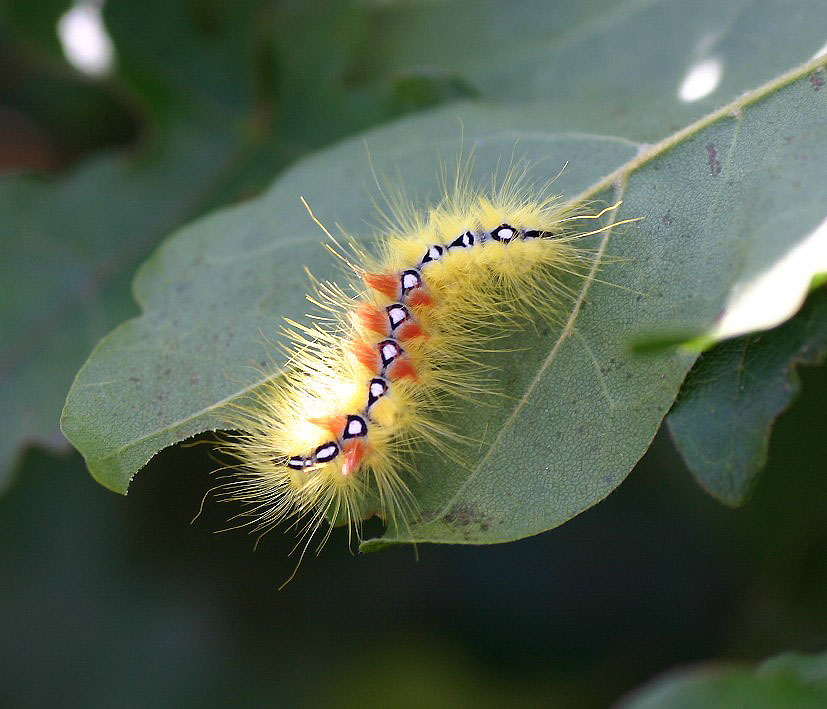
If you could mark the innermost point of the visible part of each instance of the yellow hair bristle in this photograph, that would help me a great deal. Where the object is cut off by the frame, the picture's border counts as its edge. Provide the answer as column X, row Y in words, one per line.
column 371, row 379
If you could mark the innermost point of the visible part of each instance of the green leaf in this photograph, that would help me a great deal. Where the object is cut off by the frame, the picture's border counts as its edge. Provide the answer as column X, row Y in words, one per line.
column 36, row 21
column 197, row 54
column 604, row 66
column 214, row 295
column 70, row 246
column 765, row 297
column 788, row 680
column 722, row 420
column 72, row 241
column 578, row 59
column 75, row 239
column 584, row 410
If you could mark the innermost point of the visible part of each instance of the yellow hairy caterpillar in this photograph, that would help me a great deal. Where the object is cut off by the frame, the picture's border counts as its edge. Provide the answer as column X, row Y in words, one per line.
column 371, row 379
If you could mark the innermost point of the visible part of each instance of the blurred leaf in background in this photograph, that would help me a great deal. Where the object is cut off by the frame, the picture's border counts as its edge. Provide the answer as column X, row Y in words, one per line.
column 722, row 420
column 786, row 681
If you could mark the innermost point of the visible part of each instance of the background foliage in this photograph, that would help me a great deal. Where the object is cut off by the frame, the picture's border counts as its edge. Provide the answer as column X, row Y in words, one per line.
column 208, row 102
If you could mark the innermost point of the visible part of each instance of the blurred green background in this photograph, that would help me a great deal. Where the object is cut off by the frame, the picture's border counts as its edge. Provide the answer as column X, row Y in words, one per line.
column 109, row 601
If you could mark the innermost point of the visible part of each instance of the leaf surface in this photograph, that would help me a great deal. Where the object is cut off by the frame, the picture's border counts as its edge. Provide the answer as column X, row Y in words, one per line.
column 582, row 408
column 789, row 680
column 66, row 279
column 723, row 418
column 605, row 66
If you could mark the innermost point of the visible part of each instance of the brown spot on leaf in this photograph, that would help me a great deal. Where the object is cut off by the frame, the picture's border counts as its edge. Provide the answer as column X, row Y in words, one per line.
column 817, row 79
column 712, row 159
column 463, row 514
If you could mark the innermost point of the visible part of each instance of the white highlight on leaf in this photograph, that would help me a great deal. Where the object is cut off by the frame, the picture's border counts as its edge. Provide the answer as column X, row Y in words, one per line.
column 701, row 80
column 776, row 294
column 820, row 53
column 86, row 43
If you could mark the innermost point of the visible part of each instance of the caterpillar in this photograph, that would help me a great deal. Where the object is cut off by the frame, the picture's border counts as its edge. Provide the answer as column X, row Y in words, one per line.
column 374, row 377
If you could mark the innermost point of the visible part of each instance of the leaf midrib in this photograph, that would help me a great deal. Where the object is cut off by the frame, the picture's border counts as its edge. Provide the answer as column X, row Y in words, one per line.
column 565, row 333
